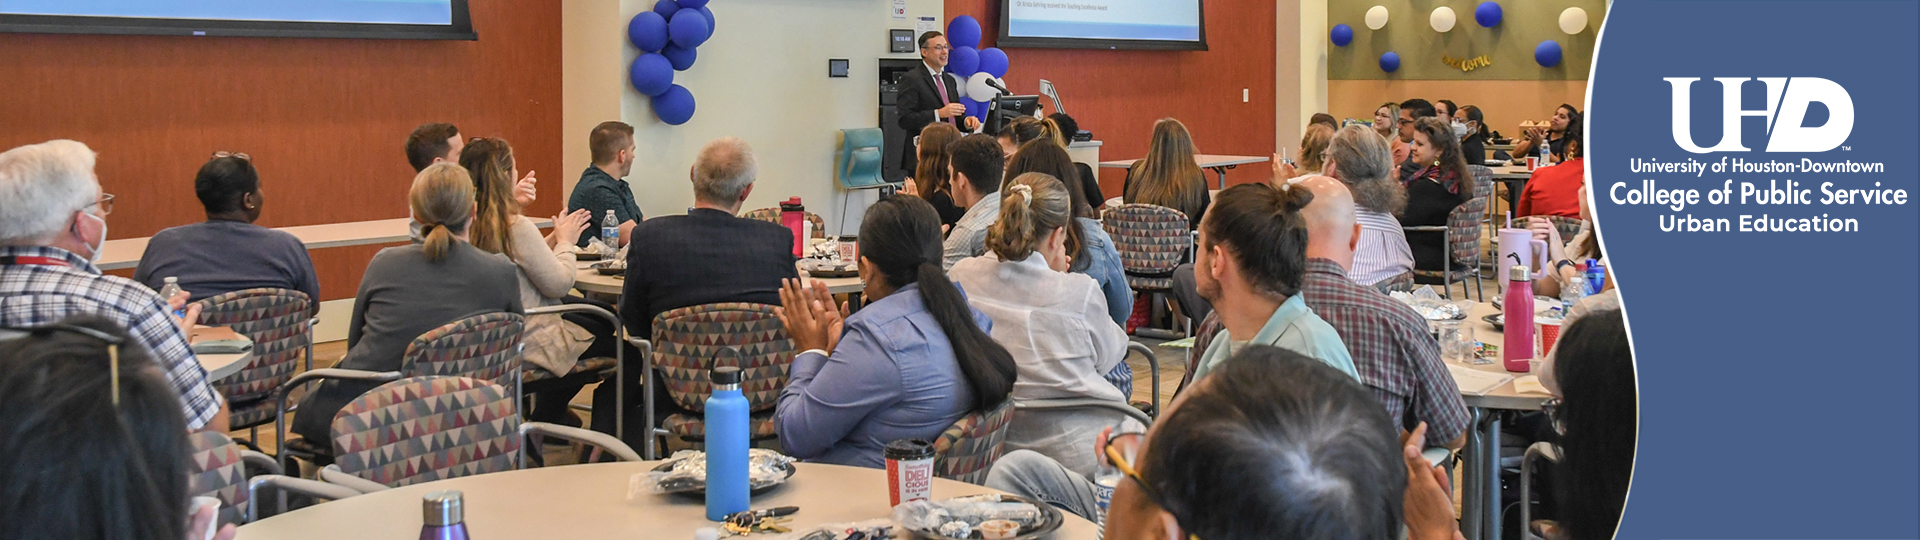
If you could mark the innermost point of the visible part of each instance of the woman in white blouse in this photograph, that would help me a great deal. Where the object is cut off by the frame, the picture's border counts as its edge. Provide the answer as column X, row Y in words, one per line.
column 546, row 272
column 1054, row 322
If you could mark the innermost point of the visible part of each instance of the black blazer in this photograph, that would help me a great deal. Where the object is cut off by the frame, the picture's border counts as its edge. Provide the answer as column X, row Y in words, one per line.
column 704, row 257
column 916, row 104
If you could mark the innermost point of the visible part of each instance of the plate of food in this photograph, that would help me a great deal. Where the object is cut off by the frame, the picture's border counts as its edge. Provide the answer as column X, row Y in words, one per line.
column 685, row 473
column 609, row 268
column 979, row 517
column 825, row 268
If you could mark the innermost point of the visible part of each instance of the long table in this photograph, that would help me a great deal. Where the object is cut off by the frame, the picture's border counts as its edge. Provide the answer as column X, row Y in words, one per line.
column 1216, row 163
column 590, row 280
column 125, row 253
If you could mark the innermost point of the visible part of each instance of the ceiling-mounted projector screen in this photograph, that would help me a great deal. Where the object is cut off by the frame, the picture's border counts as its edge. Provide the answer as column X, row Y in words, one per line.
column 1103, row 24
column 378, row 19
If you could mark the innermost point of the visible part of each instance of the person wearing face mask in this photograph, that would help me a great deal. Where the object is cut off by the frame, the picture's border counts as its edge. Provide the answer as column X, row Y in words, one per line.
column 52, row 227
column 1472, row 132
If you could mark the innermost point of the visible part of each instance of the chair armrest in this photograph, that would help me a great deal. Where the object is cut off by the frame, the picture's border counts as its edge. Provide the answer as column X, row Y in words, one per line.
column 263, row 461
column 310, row 488
column 1545, row 450
column 1082, row 403
column 589, row 437
column 1424, row 228
column 285, row 390
column 1153, row 366
column 334, row 476
column 588, row 309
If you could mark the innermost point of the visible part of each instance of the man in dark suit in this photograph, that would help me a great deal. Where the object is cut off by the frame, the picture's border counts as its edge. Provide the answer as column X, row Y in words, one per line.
column 706, row 256
column 930, row 95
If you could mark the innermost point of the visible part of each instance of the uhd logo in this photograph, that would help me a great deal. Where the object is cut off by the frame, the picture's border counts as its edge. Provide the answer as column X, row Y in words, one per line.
column 1784, row 114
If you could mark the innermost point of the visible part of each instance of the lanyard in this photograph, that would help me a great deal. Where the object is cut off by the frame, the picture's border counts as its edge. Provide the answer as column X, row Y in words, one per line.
column 27, row 259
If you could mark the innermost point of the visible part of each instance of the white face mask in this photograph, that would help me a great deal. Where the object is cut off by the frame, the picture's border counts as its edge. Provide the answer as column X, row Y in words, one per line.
column 95, row 247
column 1459, row 129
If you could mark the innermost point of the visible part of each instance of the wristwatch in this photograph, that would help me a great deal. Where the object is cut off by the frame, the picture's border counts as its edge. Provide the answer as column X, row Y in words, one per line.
column 1562, row 264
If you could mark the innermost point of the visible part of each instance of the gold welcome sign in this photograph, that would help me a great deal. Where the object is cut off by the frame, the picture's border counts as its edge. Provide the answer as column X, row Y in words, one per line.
column 1467, row 64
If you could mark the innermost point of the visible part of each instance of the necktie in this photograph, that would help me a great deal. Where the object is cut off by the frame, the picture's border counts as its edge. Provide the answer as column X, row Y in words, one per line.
column 940, row 85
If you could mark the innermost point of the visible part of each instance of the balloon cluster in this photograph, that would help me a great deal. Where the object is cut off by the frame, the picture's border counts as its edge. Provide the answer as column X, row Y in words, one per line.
column 667, row 38
column 1572, row 21
column 974, row 66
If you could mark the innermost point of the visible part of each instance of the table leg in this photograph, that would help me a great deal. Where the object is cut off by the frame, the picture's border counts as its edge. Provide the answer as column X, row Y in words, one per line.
column 1222, row 171
column 1470, row 474
column 1490, row 439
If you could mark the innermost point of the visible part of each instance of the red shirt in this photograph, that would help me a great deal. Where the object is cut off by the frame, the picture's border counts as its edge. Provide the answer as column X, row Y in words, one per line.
column 1554, row 191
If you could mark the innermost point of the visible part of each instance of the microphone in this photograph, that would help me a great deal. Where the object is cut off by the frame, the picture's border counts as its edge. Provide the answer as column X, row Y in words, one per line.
column 996, row 86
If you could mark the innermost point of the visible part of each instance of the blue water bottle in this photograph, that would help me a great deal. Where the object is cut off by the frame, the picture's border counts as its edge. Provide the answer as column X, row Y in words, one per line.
column 726, row 445
column 1596, row 276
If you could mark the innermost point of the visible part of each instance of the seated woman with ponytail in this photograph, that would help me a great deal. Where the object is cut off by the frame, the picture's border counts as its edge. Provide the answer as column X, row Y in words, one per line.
column 411, row 289
column 1054, row 322
column 912, row 362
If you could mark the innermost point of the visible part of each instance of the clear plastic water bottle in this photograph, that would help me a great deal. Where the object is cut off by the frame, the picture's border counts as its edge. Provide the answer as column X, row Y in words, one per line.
column 171, row 289
column 1573, row 290
column 1546, row 152
column 1105, row 479
column 610, row 230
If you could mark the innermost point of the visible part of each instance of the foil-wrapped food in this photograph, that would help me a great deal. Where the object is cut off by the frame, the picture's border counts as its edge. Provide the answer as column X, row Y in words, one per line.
column 938, row 516
column 686, row 471
column 1432, row 307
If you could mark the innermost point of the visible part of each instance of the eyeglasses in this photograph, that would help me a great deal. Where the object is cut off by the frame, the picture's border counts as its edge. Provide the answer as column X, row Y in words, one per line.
column 938, row 48
column 113, row 346
column 225, row 154
column 1126, row 467
column 105, row 204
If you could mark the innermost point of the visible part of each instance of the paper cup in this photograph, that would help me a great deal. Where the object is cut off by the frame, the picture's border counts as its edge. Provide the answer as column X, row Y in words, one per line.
column 1533, row 162
column 193, row 508
column 1549, row 332
column 999, row 529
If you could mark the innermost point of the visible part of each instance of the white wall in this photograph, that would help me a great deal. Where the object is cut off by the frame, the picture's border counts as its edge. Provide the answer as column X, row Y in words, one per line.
column 761, row 78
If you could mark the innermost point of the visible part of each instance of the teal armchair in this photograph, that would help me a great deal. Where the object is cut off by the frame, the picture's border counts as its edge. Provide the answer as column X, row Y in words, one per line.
column 858, row 166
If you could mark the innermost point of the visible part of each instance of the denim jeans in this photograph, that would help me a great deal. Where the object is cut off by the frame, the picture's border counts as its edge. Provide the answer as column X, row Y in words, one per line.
column 1035, row 476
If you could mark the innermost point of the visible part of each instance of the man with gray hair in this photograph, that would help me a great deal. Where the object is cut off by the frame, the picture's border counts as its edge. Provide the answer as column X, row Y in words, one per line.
column 52, row 228
column 1362, row 159
column 707, row 256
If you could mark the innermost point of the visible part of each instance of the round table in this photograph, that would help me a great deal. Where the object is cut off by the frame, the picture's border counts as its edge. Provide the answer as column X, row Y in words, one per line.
column 590, row 280
column 220, row 366
column 590, row 501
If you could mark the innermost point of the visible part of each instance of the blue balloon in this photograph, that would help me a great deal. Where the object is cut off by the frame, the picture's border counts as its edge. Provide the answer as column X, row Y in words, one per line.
column 994, row 62
column 681, row 57
column 1488, row 14
column 1390, row 62
column 964, row 31
column 688, row 28
column 976, row 109
column 963, row 61
column 666, row 8
column 648, row 31
column 712, row 24
column 652, row 74
column 1547, row 54
column 1342, row 35
column 693, row 4
column 675, row 106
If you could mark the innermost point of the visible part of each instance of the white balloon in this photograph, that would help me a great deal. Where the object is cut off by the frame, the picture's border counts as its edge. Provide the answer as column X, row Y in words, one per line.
column 1377, row 17
column 1442, row 19
column 1573, row 20
column 977, row 88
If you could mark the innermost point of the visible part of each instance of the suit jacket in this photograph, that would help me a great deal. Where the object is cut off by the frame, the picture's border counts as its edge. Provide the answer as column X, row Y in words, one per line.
column 704, row 257
column 918, row 100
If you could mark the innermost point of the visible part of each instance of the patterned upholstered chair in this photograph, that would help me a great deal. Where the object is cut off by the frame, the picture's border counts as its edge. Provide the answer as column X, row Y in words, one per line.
column 280, row 325
column 968, row 448
column 1463, row 230
column 772, row 215
column 1152, row 241
column 218, row 469
column 423, row 429
column 533, row 377
column 689, row 342
column 484, row 346
column 1566, row 226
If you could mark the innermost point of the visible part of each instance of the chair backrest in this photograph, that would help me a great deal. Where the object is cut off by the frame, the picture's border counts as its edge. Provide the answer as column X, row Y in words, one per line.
column 217, row 471
column 1482, row 180
column 1402, row 283
column 1151, row 239
column 276, row 321
column 968, row 448
column 687, row 342
column 423, row 429
column 772, row 215
column 1203, row 335
column 1463, row 226
column 859, row 161
column 484, row 346
column 1567, row 226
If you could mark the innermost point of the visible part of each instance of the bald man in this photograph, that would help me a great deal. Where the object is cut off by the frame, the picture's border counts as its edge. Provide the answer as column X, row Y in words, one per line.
column 1392, row 351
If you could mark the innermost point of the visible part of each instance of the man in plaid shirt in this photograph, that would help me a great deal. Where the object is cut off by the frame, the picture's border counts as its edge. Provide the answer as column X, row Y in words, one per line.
column 1395, row 355
column 52, row 212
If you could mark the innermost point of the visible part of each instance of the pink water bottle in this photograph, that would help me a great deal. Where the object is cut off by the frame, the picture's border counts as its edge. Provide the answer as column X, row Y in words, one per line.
column 794, row 216
column 1516, row 352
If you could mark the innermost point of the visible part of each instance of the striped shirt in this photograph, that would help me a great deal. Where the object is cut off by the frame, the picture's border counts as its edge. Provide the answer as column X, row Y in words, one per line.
column 1395, row 356
column 969, row 236
column 42, row 294
column 1382, row 252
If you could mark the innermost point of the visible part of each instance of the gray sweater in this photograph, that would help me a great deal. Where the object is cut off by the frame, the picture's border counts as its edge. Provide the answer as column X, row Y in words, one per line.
column 402, row 296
